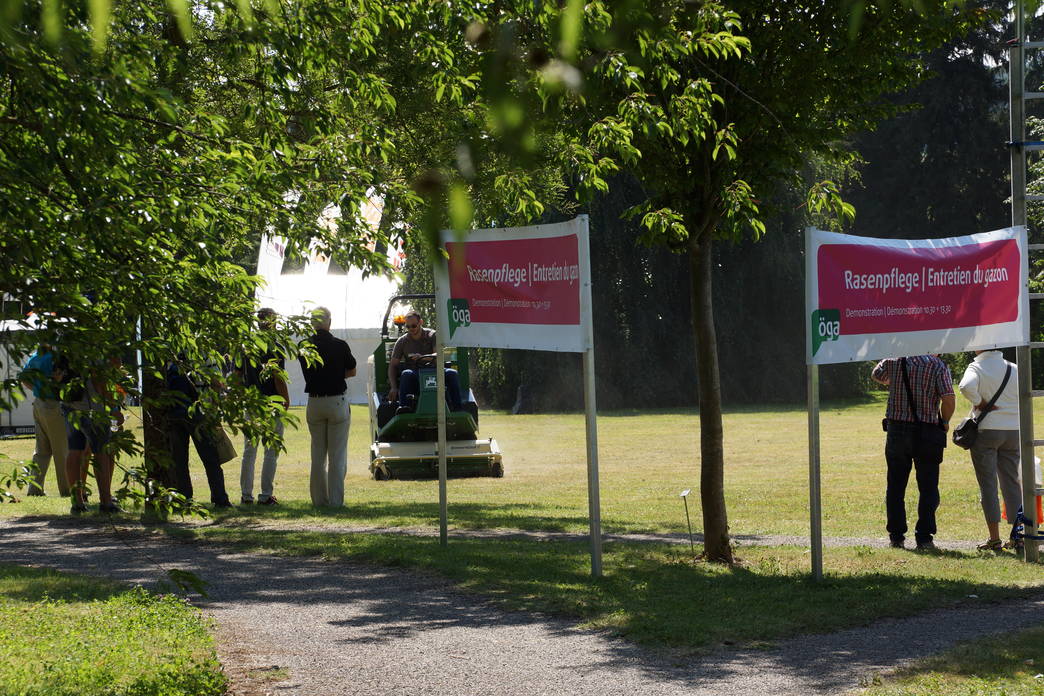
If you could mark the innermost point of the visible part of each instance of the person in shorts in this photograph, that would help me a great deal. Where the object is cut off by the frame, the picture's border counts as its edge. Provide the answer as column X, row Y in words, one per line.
column 90, row 408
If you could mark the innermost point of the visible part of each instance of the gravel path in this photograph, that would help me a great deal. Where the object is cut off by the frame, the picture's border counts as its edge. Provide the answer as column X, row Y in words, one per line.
column 334, row 628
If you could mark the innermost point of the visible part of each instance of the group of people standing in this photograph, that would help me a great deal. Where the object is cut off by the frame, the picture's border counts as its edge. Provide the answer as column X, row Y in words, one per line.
column 73, row 415
column 921, row 403
column 68, row 423
column 328, row 416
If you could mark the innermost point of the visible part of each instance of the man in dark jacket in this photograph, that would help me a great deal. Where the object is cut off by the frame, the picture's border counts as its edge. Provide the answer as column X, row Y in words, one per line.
column 185, row 421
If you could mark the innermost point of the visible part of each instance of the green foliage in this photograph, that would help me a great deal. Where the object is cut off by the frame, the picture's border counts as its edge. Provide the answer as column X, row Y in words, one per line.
column 140, row 169
column 187, row 581
column 63, row 634
column 23, row 475
column 824, row 200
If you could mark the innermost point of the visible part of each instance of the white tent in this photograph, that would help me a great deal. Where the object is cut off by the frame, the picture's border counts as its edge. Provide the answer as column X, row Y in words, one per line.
column 356, row 304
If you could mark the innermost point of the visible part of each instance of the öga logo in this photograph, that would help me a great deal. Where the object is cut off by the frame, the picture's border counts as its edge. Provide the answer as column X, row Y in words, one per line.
column 826, row 326
column 459, row 314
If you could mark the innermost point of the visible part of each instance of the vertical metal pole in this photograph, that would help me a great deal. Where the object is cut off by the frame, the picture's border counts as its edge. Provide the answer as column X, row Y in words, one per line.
column 440, row 411
column 688, row 521
column 812, row 392
column 1029, row 474
column 594, row 508
column 1016, row 86
column 1017, row 125
column 814, row 503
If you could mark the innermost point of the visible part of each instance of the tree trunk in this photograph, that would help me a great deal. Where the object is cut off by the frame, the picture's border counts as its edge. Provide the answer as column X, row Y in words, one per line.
column 712, row 448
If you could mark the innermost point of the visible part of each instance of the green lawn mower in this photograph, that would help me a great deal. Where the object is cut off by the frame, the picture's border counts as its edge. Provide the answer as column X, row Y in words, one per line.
column 405, row 440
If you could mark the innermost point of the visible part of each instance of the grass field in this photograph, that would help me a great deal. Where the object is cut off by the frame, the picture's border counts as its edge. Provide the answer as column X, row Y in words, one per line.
column 1010, row 665
column 646, row 459
column 69, row 635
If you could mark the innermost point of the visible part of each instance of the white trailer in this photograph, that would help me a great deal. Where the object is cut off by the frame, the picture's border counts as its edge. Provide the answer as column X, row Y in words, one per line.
column 19, row 420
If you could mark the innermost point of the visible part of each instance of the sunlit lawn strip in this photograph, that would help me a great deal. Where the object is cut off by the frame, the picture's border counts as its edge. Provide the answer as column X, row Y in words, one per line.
column 657, row 594
column 646, row 459
column 70, row 635
column 1010, row 664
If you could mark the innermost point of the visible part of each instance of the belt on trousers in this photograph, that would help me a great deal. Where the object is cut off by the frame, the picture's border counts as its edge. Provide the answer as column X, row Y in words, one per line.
column 340, row 393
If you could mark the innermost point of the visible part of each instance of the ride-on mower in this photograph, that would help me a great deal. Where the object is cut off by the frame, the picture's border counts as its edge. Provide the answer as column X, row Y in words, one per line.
column 405, row 439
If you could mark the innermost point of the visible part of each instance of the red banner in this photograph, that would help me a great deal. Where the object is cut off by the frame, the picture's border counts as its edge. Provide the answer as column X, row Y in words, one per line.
column 517, row 281
column 879, row 289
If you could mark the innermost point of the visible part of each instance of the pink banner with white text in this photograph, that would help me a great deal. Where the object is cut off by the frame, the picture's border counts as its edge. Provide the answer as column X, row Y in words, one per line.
column 873, row 298
column 517, row 287
column 519, row 281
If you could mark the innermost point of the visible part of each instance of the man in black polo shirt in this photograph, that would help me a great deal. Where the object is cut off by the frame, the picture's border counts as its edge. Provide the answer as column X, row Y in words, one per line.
column 327, row 413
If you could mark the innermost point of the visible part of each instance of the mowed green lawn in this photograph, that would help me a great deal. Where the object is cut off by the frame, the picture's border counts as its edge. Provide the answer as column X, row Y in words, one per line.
column 646, row 459
column 71, row 635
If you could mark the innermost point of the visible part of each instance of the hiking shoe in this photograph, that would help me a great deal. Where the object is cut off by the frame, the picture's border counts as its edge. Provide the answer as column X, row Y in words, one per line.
column 110, row 508
column 1015, row 545
column 78, row 509
column 991, row 545
column 270, row 500
column 897, row 543
column 927, row 546
column 246, row 501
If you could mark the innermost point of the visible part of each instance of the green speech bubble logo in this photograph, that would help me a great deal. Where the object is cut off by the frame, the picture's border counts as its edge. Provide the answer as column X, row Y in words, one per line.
column 459, row 314
column 826, row 326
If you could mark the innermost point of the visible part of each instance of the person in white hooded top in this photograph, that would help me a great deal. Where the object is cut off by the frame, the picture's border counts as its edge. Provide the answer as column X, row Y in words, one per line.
column 995, row 454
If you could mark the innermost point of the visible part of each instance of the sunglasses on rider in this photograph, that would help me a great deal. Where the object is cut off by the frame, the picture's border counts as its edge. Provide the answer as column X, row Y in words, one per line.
column 412, row 326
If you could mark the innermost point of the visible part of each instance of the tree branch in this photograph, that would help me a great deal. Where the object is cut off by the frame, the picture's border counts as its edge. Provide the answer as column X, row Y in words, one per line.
column 164, row 124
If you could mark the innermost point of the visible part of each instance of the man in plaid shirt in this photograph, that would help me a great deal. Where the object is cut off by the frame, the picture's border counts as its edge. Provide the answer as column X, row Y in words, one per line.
column 916, row 438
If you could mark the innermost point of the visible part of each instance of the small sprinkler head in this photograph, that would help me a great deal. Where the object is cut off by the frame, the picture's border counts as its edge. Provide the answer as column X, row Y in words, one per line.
column 684, row 495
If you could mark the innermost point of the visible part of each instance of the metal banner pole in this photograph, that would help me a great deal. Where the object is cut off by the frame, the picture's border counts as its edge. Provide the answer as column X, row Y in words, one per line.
column 594, row 506
column 1017, row 109
column 594, row 509
column 1029, row 470
column 814, row 504
column 440, row 410
column 812, row 391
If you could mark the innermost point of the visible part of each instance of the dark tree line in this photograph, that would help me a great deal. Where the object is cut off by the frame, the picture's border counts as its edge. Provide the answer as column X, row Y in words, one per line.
column 939, row 169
